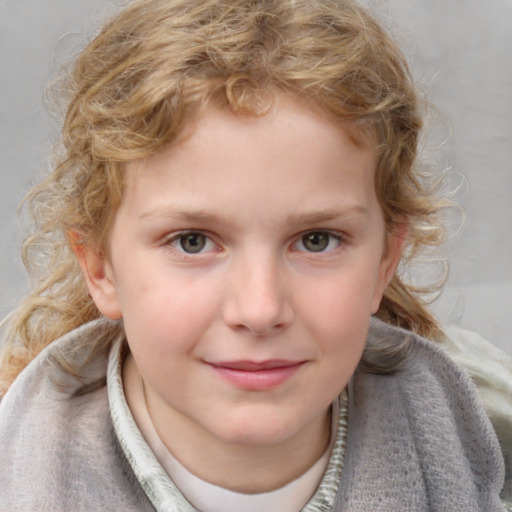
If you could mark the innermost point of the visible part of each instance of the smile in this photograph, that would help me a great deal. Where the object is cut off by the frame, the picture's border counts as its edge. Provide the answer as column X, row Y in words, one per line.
column 257, row 376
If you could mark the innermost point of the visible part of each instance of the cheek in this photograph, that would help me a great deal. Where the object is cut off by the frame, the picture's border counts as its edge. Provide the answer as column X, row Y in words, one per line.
column 167, row 311
column 340, row 298
column 338, row 313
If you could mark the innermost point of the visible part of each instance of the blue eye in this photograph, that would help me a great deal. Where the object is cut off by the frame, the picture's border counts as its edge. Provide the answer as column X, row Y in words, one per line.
column 191, row 242
column 318, row 241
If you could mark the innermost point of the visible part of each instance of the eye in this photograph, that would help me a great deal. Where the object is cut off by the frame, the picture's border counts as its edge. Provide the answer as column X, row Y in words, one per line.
column 191, row 242
column 318, row 241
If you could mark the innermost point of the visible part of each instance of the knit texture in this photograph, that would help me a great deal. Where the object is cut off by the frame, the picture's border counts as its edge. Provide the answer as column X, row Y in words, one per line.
column 419, row 440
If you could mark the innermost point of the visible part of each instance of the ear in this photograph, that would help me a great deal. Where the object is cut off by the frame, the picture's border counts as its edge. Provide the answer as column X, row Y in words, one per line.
column 98, row 275
column 395, row 242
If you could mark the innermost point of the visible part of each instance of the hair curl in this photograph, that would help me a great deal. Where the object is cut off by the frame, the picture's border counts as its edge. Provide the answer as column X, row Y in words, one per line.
column 160, row 61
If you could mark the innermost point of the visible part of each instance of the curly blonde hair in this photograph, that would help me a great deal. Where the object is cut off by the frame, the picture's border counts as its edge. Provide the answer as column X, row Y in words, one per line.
column 157, row 63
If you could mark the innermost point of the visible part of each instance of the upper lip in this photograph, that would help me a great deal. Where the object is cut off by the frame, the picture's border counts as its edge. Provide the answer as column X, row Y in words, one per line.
column 256, row 365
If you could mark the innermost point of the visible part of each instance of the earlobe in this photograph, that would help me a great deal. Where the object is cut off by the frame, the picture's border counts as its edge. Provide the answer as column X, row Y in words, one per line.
column 99, row 277
column 389, row 263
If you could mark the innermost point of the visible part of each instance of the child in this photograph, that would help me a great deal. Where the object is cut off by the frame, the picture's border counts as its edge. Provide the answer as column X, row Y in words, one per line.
column 217, row 322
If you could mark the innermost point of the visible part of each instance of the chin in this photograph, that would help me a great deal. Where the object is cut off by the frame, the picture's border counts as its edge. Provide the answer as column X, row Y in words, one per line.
column 257, row 438
column 261, row 429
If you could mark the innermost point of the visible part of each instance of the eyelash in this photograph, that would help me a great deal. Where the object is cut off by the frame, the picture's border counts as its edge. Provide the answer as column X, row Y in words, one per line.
column 175, row 242
column 336, row 237
column 177, row 239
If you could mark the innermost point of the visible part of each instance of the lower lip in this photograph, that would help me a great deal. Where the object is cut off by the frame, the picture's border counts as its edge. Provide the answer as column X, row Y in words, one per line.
column 258, row 380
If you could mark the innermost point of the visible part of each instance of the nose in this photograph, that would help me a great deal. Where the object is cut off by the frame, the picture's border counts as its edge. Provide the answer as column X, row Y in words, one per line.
column 257, row 301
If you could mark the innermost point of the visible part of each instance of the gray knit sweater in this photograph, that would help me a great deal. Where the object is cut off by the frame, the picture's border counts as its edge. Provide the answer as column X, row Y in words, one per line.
column 418, row 440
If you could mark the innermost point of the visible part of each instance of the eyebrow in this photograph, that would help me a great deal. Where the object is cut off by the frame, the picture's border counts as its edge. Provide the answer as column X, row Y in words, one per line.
column 184, row 215
column 306, row 218
column 317, row 217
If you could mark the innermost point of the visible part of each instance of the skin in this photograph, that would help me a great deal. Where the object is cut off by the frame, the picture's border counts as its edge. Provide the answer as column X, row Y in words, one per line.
column 295, row 260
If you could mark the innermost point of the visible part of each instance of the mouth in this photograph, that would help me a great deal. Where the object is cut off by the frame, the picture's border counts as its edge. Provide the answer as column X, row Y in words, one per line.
column 257, row 376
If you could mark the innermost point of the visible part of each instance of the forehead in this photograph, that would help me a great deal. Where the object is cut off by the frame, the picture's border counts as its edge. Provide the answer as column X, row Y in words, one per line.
column 292, row 153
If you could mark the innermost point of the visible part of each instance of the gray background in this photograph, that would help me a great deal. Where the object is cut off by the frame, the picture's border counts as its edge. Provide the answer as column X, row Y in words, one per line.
column 460, row 50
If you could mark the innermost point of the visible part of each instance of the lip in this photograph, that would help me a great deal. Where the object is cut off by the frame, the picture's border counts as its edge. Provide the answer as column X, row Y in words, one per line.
column 257, row 376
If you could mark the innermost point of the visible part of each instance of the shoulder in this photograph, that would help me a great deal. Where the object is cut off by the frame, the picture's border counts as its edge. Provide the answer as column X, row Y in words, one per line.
column 491, row 370
column 51, row 418
column 488, row 366
column 72, row 362
column 42, row 400
column 436, row 362
column 421, row 433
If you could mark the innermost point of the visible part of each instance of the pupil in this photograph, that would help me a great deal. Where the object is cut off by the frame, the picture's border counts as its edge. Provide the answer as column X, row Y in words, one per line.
column 315, row 242
column 193, row 243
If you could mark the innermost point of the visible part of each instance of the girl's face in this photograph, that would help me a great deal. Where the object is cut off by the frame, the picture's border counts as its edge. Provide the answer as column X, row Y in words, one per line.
column 246, row 261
